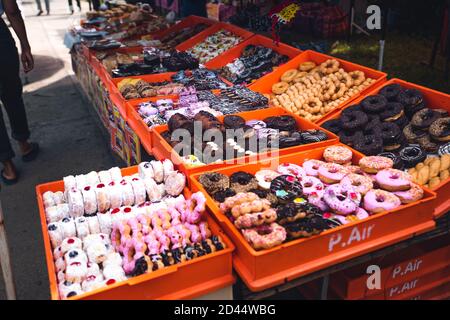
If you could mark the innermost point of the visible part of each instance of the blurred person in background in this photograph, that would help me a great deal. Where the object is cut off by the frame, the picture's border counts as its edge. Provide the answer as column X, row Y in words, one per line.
column 47, row 7
column 11, row 91
column 71, row 6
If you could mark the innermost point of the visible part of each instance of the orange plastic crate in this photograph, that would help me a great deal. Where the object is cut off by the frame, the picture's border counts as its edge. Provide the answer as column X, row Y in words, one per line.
column 267, row 268
column 259, row 40
column 396, row 268
column 264, row 85
column 244, row 34
column 189, row 21
column 162, row 150
column 434, row 100
column 182, row 281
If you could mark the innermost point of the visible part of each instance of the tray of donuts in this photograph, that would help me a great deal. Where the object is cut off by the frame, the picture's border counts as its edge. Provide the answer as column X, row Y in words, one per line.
column 134, row 233
column 235, row 139
column 314, row 85
column 406, row 122
column 296, row 214
column 252, row 59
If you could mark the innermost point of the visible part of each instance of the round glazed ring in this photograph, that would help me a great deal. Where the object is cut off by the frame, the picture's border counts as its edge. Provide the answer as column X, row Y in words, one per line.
column 265, row 177
column 291, row 169
column 289, row 75
column 360, row 183
column 376, row 201
column 341, row 199
column 280, row 87
column 265, row 237
column 307, row 66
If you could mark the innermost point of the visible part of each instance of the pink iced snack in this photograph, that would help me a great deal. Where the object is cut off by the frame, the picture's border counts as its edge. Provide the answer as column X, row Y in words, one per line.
column 204, row 230
column 312, row 186
column 361, row 184
column 411, row 195
column 338, row 154
column 185, row 234
column 331, row 173
column 342, row 200
column 195, row 232
column 393, row 180
column 312, row 166
column 376, row 201
column 373, row 164
column 318, row 202
column 175, row 237
column 291, row 169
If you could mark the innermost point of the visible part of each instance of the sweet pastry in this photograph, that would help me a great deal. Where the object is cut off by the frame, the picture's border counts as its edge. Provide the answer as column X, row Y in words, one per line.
column 338, row 154
column 373, row 164
column 376, row 201
column 286, row 188
column 242, row 182
column 214, row 182
column 393, row 180
column 343, row 200
column 265, row 237
column 331, row 173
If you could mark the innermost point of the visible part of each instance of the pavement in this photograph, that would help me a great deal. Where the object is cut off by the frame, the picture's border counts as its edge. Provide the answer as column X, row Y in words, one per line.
column 71, row 141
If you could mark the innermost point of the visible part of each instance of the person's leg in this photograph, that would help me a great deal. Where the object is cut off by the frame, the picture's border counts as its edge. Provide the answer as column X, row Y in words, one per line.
column 96, row 4
column 39, row 6
column 6, row 151
column 47, row 6
column 79, row 5
column 70, row 6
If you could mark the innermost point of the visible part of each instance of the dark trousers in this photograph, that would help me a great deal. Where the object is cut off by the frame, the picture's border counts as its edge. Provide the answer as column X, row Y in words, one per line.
column 10, row 95
column 78, row 3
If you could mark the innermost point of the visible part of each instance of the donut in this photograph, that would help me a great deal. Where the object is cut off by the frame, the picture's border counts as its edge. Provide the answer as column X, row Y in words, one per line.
column 338, row 154
column 233, row 122
column 312, row 166
column 359, row 183
column 289, row 75
column 374, row 104
column 289, row 213
column 307, row 66
column 374, row 164
column 412, row 155
column 265, row 177
column 397, row 161
column 312, row 136
column 358, row 77
column 266, row 236
column 391, row 91
column 312, row 187
column 140, row 194
column 251, row 220
column 351, row 109
column 392, row 112
column 343, row 200
column 214, row 182
column 444, row 149
column 242, row 181
column 174, row 183
column 349, row 137
column 75, row 201
column 427, row 144
column 412, row 101
column 333, row 125
column 307, row 227
column 424, row 118
column 414, row 194
column 391, row 135
column 280, row 87
column 330, row 66
column 376, row 201
column 369, row 144
column 282, row 123
column 331, row 173
column 353, row 121
column 158, row 170
column 286, row 188
column 402, row 122
column 291, row 169
column 393, row 180
column 440, row 129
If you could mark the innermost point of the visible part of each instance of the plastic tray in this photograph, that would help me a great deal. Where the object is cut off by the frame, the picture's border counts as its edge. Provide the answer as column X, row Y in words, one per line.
column 264, row 85
column 236, row 52
column 434, row 100
column 267, row 268
column 396, row 268
column 182, row 281
column 244, row 34
column 161, row 149
column 189, row 21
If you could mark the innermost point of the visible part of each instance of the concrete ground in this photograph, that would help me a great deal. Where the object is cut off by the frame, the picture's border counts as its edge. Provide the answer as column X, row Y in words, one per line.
column 70, row 138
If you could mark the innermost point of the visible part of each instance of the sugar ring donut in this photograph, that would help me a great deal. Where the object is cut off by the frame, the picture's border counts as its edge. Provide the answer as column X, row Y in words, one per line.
column 266, row 236
column 312, row 187
column 331, row 173
column 280, row 87
column 376, row 201
column 393, row 180
column 358, row 77
column 289, row 75
column 265, row 177
column 330, row 66
column 291, row 169
column 339, row 91
column 342, row 199
column 359, row 182
column 338, row 154
column 300, row 76
column 307, row 66
column 251, row 220
column 373, row 164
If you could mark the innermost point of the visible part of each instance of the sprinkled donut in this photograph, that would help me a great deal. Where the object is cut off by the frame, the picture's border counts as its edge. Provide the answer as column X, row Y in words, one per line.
column 331, row 173
column 342, row 200
column 338, row 154
column 265, row 177
column 312, row 166
column 393, row 180
column 286, row 187
column 265, row 237
column 291, row 169
column 360, row 183
column 251, row 220
column 376, row 201
column 373, row 164
column 415, row 193
column 312, row 187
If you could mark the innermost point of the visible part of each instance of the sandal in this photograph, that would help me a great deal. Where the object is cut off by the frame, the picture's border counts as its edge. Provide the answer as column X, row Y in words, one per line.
column 9, row 182
column 32, row 154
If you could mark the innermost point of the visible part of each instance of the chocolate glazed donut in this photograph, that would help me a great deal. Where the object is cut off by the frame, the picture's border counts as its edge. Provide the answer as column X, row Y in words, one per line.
column 179, row 121
column 374, row 104
column 391, row 91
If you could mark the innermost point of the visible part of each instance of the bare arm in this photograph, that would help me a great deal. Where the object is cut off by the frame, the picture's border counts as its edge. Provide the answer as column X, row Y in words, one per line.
column 15, row 18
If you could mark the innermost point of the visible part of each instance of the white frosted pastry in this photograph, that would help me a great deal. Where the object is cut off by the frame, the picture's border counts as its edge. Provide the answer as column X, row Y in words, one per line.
column 68, row 289
column 59, row 197
column 68, row 227
column 57, row 253
column 102, row 194
column 92, row 178
column 69, row 183
column 162, row 189
column 75, row 254
column 158, row 170
column 167, row 167
column 115, row 194
column 76, row 271
column 105, row 222
column 116, row 215
column 114, row 259
column 55, row 233
column 114, row 271
column 145, row 170
column 92, row 282
column 52, row 214
column 63, row 210
column 75, row 201
column 60, row 265
column 71, row 243
column 139, row 191
column 127, row 193
column 128, row 212
column 96, row 252
column 92, row 238
column 174, row 183
column 89, row 199
column 82, row 227
column 81, row 181
column 116, row 174
column 93, row 269
column 174, row 201
column 105, row 177
column 94, row 224
column 152, row 190
column 61, row 276
column 48, row 199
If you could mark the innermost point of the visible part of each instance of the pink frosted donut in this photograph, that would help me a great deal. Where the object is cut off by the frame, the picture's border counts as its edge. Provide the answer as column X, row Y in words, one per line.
column 318, row 202
column 291, row 169
column 377, row 200
column 393, row 180
column 195, row 206
column 145, row 222
column 165, row 218
column 412, row 195
column 265, row 237
column 175, row 237
column 354, row 169
column 361, row 214
column 152, row 244
column 164, row 243
column 175, row 215
column 185, row 234
column 204, row 230
column 373, row 164
column 312, row 166
column 265, row 177
column 342, row 200
column 338, row 154
column 360, row 183
column 312, row 186
column 331, row 173
column 195, row 232
column 135, row 226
